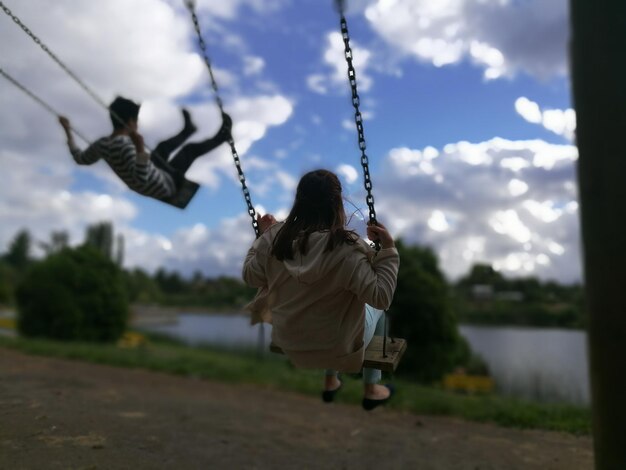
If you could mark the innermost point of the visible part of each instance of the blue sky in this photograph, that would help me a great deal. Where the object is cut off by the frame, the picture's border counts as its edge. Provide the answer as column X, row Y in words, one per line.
column 467, row 120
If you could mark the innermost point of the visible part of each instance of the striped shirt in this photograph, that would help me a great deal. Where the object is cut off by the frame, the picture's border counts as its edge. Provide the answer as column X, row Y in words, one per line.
column 121, row 155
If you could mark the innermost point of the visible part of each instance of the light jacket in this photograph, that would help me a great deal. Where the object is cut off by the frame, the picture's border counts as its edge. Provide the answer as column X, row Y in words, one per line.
column 316, row 302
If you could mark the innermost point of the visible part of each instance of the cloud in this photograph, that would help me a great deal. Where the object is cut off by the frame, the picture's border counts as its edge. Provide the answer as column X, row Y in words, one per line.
column 504, row 37
column 472, row 205
column 253, row 65
column 348, row 173
column 560, row 121
column 213, row 251
column 334, row 58
column 38, row 199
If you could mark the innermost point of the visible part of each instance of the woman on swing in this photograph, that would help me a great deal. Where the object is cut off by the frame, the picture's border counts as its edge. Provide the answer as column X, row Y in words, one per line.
column 154, row 175
column 323, row 287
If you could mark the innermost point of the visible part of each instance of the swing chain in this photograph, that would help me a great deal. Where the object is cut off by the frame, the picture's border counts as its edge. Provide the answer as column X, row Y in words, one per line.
column 191, row 6
column 45, row 48
column 358, row 117
column 64, row 67
column 45, row 105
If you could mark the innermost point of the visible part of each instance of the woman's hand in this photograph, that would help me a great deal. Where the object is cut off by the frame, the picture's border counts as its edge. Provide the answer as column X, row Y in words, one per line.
column 379, row 232
column 265, row 221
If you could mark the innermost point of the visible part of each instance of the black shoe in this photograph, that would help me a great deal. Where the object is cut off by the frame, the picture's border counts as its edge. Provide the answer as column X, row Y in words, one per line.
column 329, row 395
column 189, row 127
column 369, row 403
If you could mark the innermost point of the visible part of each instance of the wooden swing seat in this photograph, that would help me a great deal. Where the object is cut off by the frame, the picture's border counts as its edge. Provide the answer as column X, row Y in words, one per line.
column 186, row 191
column 374, row 353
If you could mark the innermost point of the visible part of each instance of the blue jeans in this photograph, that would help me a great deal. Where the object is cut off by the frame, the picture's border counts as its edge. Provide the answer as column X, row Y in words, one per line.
column 374, row 325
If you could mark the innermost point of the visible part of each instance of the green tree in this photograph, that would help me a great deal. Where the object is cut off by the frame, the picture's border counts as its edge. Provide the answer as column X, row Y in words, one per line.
column 58, row 241
column 7, row 283
column 75, row 294
column 422, row 314
column 100, row 236
column 141, row 287
column 18, row 254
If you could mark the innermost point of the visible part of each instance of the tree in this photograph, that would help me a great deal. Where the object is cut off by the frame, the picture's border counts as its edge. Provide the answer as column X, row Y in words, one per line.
column 18, row 255
column 7, row 283
column 58, row 241
column 119, row 250
column 141, row 287
column 100, row 236
column 75, row 294
column 422, row 314
column 482, row 274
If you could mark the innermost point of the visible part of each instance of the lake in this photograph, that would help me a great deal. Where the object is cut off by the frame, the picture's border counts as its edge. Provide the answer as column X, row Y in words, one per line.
column 534, row 363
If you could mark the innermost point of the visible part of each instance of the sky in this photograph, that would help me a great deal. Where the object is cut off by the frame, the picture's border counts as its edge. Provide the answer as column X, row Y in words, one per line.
column 467, row 115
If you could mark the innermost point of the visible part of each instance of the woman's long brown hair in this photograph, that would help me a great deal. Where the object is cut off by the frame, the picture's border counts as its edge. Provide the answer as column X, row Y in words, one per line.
column 318, row 207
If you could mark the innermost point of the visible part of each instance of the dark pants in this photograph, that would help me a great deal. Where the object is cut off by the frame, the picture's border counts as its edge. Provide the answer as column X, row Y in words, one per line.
column 178, row 165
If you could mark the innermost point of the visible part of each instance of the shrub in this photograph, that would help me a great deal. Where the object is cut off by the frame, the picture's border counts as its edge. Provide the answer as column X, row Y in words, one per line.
column 75, row 294
column 421, row 313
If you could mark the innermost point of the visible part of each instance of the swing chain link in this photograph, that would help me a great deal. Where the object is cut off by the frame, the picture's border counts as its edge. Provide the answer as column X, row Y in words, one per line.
column 358, row 117
column 191, row 6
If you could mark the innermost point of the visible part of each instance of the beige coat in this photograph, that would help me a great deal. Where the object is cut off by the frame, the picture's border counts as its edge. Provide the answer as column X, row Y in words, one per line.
column 316, row 302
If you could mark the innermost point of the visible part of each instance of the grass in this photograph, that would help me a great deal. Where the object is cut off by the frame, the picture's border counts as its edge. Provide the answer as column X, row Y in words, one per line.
column 161, row 354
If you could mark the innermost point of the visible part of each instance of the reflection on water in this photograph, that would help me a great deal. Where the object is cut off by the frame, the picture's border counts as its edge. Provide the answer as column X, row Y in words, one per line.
column 541, row 364
column 232, row 330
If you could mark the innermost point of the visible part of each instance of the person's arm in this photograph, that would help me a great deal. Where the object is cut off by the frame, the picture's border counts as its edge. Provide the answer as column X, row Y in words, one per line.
column 87, row 157
column 253, row 272
column 254, row 265
column 373, row 282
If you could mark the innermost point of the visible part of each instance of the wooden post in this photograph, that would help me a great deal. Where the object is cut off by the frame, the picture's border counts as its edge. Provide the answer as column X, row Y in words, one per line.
column 599, row 82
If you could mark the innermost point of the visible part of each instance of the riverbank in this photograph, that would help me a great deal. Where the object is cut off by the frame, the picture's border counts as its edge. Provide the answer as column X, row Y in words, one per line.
column 274, row 371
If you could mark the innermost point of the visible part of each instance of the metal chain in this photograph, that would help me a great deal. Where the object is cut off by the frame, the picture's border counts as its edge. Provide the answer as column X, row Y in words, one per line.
column 39, row 100
column 358, row 117
column 51, row 54
column 58, row 61
column 242, row 179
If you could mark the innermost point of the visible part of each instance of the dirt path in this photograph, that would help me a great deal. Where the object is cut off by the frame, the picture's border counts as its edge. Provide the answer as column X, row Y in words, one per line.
column 58, row 414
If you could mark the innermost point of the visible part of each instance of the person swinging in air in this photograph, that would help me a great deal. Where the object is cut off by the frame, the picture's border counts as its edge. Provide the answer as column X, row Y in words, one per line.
column 154, row 175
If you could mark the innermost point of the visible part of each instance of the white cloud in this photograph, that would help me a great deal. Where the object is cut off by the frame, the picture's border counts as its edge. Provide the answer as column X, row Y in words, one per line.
column 501, row 36
column 217, row 251
column 494, row 201
column 348, row 173
column 529, row 110
column 253, row 65
column 560, row 121
column 334, row 57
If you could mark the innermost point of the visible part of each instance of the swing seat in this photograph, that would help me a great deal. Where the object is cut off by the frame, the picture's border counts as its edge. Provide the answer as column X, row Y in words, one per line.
column 374, row 353
column 186, row 191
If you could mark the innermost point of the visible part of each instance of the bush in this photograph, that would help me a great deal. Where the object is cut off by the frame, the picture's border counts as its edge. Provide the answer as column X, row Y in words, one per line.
column 75, row 294
column 421, row 313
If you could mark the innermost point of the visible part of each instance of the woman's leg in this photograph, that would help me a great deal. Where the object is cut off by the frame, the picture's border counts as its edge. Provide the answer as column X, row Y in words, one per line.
column 374, row 325
column 332, row 384
column 165, row 148
column 188, row 154
column 331, row 379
